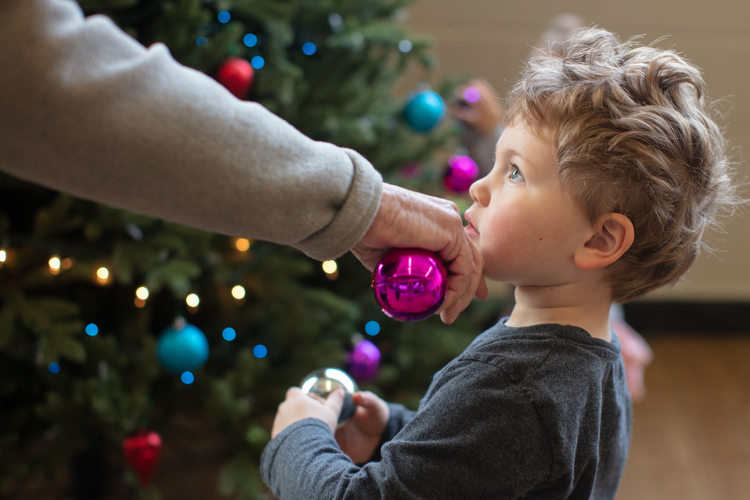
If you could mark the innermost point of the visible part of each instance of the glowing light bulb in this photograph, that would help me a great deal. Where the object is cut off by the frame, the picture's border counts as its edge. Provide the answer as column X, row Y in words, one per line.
column 330, row 266
column 54, row 265
column 102, row 273
column 242, row 244
column 192, row 300
column 142, row 293
column 66, row 263
column 3, row 255
column 238, row 292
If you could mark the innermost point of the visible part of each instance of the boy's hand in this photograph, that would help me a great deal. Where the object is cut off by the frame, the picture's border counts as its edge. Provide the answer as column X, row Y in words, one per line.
column 359, row 437
column 299, row 406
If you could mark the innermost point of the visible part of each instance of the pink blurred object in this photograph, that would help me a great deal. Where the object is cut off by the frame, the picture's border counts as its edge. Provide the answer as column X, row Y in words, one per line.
column 461, row 173
column 636, row 354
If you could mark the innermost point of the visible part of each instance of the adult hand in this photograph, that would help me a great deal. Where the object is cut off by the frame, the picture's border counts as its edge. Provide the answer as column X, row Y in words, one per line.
column 360, row 436
column 410, row 219
column 484, row 114
column 299, row 406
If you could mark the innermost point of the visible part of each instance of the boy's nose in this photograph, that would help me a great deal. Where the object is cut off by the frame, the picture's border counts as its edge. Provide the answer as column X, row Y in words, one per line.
column 478, row 192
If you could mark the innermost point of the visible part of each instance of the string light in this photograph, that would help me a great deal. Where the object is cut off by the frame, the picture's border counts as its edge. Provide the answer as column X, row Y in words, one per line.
column 257, row 62
column 66, row 263
column 238, row 292
column 331, row 269
column 92, row 330
column 229, row 334
column 242, row 244
column 141, row 294
column 102, row 275
column 54, row 265
column 3, row 256
column 192, row 300
column 187, row 378
column 372, row 328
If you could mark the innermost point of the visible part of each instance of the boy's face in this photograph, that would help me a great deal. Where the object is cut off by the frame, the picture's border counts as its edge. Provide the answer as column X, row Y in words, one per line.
column 525, row 226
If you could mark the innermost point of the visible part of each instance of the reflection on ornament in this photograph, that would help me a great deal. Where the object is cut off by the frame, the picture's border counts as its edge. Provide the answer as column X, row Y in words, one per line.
column 142, row 451
column 409, row 284
column 182, row 347
column 424, row 110
column 323, row 382
column 236, row 74
column 460, row 174
column 364, row 361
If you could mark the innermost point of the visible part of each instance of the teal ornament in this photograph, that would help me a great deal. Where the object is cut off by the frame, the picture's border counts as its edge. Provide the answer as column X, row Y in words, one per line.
column 424, row 110
column 182, row 347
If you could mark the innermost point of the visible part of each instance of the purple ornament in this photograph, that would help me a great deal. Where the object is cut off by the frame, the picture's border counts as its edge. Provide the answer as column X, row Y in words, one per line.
column 461, row 173
column 409, row 284
column 364, row 361
column 472, row 94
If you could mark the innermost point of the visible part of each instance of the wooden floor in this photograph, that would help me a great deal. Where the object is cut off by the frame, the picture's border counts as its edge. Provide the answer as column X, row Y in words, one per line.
column 691, row 435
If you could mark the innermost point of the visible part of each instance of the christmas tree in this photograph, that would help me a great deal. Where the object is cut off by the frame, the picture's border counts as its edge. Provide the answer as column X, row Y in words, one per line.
column 89, row 293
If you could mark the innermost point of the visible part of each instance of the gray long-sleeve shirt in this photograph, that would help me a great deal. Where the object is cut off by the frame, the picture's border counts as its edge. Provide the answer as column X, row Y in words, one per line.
column 87, row 110
column 538, row 412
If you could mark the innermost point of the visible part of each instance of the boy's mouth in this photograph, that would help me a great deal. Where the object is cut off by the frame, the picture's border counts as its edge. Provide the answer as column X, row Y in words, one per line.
column 469, row 228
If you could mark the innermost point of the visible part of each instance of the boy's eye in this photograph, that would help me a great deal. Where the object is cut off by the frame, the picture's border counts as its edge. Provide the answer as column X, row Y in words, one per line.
column 515, row 174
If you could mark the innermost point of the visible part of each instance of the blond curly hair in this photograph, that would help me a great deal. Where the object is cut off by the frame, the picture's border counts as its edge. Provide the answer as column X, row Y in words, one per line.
column 634, row 134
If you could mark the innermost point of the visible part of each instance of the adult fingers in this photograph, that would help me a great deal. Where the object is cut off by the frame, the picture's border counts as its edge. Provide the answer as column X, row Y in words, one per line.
column 465, row 281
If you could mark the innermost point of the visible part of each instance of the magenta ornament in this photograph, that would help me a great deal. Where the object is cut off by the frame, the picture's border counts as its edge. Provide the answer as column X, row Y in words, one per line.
column 461, row 173
column 409, row 284
column 364, row 361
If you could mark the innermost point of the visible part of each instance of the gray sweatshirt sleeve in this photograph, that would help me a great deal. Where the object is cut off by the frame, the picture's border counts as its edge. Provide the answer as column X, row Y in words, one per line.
column 89, row 111
column 476, row 435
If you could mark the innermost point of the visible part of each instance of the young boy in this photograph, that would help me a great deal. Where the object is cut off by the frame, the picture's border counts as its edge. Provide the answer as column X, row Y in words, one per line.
column 605, row 178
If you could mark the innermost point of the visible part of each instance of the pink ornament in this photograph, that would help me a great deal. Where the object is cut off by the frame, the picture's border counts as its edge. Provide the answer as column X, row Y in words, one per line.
column 364, row 361
column 409, row 284
column 236, row 75
column 461, row 173
column 142, row 452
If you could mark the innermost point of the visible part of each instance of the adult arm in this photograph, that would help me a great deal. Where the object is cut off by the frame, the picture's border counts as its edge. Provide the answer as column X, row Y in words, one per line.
column 89, row 111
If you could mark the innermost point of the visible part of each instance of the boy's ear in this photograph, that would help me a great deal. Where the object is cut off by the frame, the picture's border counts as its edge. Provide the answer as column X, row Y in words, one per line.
column 612, row 236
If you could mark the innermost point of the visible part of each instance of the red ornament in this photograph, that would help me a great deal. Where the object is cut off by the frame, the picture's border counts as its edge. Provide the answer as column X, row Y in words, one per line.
column 142, row 451
column 236, row 75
